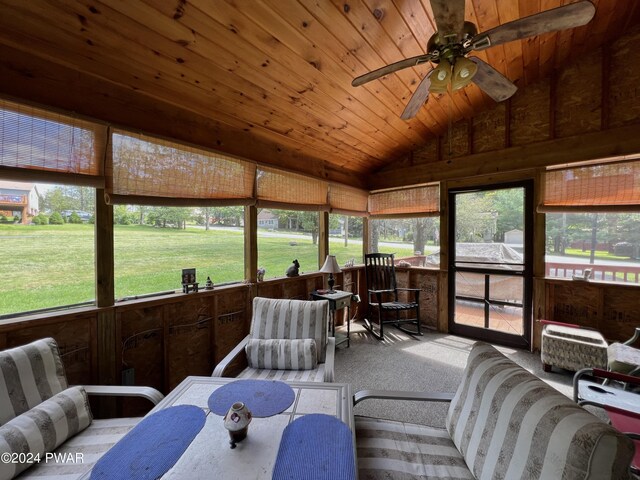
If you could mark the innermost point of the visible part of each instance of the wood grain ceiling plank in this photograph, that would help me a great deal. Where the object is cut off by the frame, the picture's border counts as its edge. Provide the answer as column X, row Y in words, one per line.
column 364, row 22
column 605, row 13
column 621, row 19
column 478, row 99
column 547, row 43
column 370, row 101
column 310, row 123
column 303, row 121
column 417, row 20
column 321, row 80
column 531, row 45
column 308, row 50
column 508, row 10
column 292, row 91
column 581, row 34
column 356, row 47
column 630, row 11
column 60, row 22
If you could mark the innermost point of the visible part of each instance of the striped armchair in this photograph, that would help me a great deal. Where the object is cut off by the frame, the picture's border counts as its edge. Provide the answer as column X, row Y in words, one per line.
column 502, row 423
column 40, row 414
column 288, row 340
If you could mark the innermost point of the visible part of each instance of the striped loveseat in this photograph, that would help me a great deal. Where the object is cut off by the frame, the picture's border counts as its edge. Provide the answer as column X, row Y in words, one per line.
column 502, row 423
column 288, row 340
column 40, row 413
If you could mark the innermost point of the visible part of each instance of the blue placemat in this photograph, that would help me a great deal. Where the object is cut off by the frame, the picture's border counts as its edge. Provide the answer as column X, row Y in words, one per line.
column 263, row 398
column 316, row 447
column 153, row 446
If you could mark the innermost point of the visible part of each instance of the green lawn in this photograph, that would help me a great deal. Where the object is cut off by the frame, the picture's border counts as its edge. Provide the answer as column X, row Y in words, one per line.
column 53, row 265
column 601, row 254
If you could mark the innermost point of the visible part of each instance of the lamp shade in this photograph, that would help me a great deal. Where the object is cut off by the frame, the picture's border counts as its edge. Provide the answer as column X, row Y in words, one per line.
column 440, row 77
column 330, row 265
column 463, row 72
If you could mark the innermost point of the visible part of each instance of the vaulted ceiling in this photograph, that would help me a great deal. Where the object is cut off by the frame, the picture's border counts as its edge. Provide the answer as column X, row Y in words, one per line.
column 279, row 71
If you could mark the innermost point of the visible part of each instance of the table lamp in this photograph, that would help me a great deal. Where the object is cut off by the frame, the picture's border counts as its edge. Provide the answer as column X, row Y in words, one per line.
column 331, row 266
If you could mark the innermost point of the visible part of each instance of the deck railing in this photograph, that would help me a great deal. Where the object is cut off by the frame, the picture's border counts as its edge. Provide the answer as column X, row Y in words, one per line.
column 610, row 273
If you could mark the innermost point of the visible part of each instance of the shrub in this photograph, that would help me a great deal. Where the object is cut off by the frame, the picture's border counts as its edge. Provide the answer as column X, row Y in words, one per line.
column 56, row 219
column 3, row 219
column 41, row 219
column 75, row 218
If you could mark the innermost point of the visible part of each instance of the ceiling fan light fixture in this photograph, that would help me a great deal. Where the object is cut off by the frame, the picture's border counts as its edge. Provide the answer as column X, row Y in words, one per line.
column 463, row 72
column 440, row 77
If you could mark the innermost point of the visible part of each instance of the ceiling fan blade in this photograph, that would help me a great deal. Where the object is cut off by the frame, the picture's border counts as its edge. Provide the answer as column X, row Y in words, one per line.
column 567, row 16
column 393, row 67
column 418, row 98
column 492, row 82
column 449, row 17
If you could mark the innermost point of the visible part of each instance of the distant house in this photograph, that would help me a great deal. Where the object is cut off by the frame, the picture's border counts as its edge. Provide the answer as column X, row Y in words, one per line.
column 513, row 237
column 20, row 198
column 266, row 219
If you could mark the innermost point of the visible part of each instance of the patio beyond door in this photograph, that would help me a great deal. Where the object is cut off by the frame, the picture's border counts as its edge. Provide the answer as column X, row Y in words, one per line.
column 490, row 267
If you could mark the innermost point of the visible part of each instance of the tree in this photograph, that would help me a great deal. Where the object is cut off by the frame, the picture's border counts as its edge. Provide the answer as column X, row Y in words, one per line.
column 509, row 207
column 56, row 219
column 175, row 217
column 473, row 217
column 309, row 222
column 420, row 235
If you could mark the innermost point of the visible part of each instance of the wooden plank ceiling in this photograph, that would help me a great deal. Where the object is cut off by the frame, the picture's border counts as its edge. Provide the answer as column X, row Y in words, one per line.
column 281, row 70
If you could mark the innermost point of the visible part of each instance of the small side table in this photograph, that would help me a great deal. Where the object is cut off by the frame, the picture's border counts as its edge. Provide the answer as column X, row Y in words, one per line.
column 337, row 301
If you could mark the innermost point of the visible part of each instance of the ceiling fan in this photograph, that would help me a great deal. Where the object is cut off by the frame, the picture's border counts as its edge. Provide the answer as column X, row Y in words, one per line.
column 449, row 47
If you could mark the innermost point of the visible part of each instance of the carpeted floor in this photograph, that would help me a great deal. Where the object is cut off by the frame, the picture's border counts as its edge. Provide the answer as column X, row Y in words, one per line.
column 433, row 362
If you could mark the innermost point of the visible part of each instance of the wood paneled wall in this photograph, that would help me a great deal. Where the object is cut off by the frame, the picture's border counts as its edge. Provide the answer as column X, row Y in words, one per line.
column 168, row 338
column 589, row 109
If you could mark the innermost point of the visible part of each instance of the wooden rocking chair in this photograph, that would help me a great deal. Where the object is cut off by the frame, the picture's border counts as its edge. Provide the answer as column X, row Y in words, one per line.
column 383, row 296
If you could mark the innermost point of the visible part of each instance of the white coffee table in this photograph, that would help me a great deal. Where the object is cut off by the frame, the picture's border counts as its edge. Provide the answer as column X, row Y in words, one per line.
column 210, row 456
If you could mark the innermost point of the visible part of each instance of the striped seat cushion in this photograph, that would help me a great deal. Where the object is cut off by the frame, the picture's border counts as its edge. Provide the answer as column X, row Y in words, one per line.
column 29, row 375
column 509, row 424
column 291, row 319
column 315, row 375
column 299, row 354
column 78, row 454
column 44, row 427
column 395, row 450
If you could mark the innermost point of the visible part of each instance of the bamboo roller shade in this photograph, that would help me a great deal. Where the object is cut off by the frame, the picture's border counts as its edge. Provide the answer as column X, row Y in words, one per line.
column 419, row 200
column 143, row 166
column 279, row 188
column 344, row 199
column 40, row 140
column 587, row 187
column 143, row 169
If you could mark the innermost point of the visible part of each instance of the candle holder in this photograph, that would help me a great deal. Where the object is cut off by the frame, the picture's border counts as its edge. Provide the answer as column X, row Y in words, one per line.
column 237, row 421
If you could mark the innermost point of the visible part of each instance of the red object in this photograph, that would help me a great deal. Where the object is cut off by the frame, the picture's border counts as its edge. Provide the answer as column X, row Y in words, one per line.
column 626, row 422
column 552, row 322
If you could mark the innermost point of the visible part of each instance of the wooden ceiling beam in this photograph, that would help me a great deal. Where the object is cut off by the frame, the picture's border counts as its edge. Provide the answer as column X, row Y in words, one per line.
column 590, row 146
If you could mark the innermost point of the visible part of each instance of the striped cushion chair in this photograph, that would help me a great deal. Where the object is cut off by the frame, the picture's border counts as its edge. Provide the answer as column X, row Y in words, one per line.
column 40, row 414
column 502, row 423
column 288, row 340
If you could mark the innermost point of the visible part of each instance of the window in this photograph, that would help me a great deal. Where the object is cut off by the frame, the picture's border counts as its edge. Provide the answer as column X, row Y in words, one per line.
column 345, row 238
column 47, row 237
column 414, row 240
column 607, row 244
column 284, row 236
column 46, row 230
column 153, row 244
column 593, row 221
